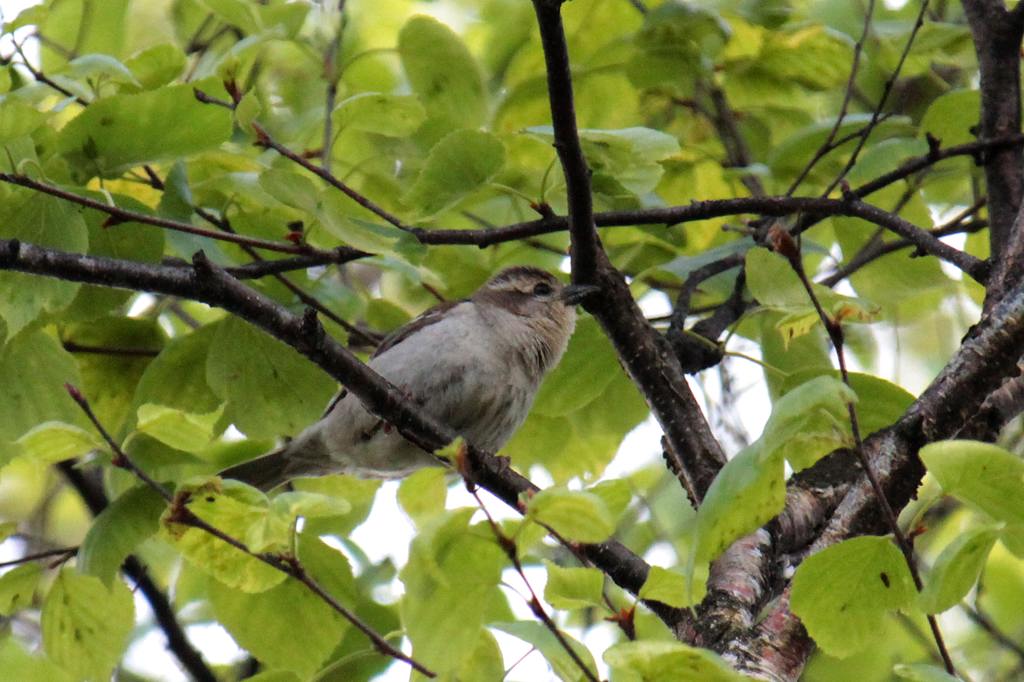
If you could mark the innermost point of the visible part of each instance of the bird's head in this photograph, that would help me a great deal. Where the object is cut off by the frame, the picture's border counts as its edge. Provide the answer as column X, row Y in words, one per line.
column 542, row 306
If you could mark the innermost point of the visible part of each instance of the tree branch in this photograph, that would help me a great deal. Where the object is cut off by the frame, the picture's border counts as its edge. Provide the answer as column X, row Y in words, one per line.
column 984, row 360
column 646, row 355
column 997, row 40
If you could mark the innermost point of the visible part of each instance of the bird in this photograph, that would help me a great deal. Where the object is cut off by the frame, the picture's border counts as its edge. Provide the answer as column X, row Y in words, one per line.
column 474, row 364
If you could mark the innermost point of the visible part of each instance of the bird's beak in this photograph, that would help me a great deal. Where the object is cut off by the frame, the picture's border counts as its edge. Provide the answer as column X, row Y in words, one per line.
column 575, row 293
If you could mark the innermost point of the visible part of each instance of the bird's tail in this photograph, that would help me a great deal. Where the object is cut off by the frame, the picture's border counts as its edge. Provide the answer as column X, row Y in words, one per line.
column 265, row 472
column 305, row 455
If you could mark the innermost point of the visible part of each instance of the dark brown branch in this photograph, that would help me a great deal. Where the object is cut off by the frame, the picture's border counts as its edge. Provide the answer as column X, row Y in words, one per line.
column 73, row 347
column 646, row 355
column 997, row 40
column 736, row 148
column 585, row 243
column 263, row 268
column 984, row 360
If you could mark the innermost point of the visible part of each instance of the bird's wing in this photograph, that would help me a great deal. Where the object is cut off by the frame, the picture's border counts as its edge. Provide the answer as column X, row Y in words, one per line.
column 435, row 314
column 425, row 319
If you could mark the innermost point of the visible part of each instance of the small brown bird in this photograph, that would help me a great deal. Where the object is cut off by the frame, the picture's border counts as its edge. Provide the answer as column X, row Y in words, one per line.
column 474, row 364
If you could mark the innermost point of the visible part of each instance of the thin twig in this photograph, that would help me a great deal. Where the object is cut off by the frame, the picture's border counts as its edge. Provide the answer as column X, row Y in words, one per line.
column 74, row 347
column 985, row 622
column 46, row 554
column 886, row 90
column 508, row 546
column 177, row 641
column 783, row 244
column 264, row 139
column 331, row 76
column 828, row 145
column 124, row 215
column 308, row 299
column 286, row 564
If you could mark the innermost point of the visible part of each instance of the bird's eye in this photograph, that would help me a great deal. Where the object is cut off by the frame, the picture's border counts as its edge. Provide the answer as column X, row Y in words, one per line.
column 542, row 289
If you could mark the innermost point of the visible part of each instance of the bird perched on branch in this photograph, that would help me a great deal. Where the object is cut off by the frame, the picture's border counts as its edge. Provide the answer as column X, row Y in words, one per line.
column 475, row 365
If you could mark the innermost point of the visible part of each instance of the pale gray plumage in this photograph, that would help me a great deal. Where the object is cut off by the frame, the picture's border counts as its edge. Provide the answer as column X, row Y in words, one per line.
column 475, row 365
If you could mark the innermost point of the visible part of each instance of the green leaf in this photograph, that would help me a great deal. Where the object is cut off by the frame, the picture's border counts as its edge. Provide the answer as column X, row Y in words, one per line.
column 456, row 166
column 957, row 569
column 157, row 65
column 18, row 119
column 334, row 214
column 118, row 530
column 127, row 241
column 293, row 504
column 19, row 665
column 291, row 189
column 52, row 442
column 358, row 493
column 271, row 390
column 843, row 593
column 747, row 493
column 41, row 221
column 951, row 117
column 676, row 41
column 773, row 283
column 616, row 494
column 86, row 624
column 178, row 429
column 375, row 112
column 587, row 368
column 666, row 661
column 110, row 379
column 1012, row 537
column 809, row 421
column 442, row 73
column 96, row 67
column 177, row 376
column 540, row 637
column 666, row 586
column 983, row 475
column 35, row 369
column 116, row 133
column 450, row 582
column 579, row 516
column 422, row 495
column 628, row 156
column 791, row 154
column 241, row 512
column 879, row 402
column 287, row 626
column 573, row 588
column 18, row 587
column 236, row 13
